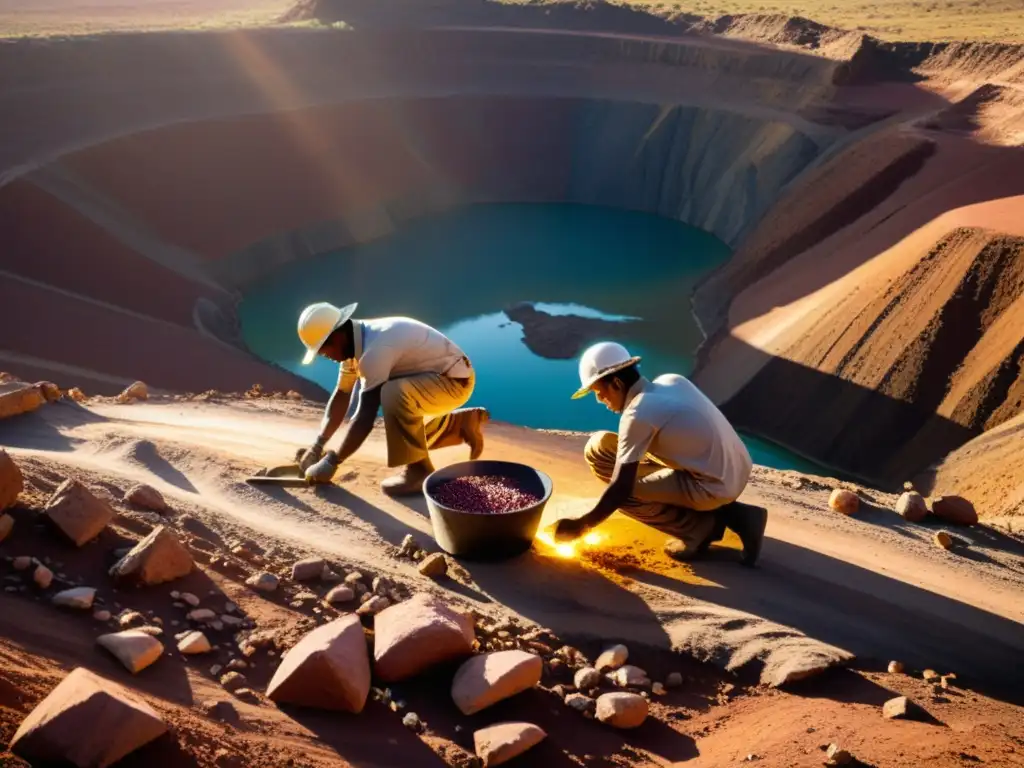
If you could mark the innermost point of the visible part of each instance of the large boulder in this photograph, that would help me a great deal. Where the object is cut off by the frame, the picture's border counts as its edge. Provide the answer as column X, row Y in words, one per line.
column 133, row 648
column 912, row 507
column 157, row 558
column 500, row 743
column 77, row 512
column 491, row 677
column 328, row 669
column 86, row 721
column 17, row 397
column 954, row 509
column 11, row 481
column 622, row 710
column 417, row 634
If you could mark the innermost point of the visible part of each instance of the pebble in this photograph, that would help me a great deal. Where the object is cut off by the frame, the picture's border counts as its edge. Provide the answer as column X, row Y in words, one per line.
column 237, row 665
column 582, row 704
column 930, row 675
column 263, row 582
column 101, row 615
column 836, row 756
column 194, row 642
column 202, row 614
column 42, row 576
column 658, row 689
column 80, row 597
column 629, row 676
column 230, row 608
column 895, row 667
column 896, row 708
column 188, row 597
column 943, row 540
column 216, row 669
column 22, row 563
column 674, row 680
column 128, row 618
column 175, row 595
column 843, row 501
column 412, row 722
column 340, row 594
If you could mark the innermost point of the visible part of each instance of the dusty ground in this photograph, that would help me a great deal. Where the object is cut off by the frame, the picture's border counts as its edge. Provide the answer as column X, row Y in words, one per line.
column 828, row 587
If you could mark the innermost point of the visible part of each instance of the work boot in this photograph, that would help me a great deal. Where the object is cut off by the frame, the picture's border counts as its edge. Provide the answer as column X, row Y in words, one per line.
column 472, row 431
column 677, row 549
column 409, row 480
column 748, row 522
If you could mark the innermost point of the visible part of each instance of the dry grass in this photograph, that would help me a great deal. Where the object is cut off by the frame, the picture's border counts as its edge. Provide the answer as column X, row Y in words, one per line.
column 916, row 20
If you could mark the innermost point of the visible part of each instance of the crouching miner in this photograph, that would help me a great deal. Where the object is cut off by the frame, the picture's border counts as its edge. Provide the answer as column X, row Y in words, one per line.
column 418, row 376
column 676, row 463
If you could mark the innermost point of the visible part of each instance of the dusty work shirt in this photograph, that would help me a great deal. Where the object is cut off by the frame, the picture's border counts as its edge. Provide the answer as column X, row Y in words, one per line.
column 389, row 347
column 672, row 421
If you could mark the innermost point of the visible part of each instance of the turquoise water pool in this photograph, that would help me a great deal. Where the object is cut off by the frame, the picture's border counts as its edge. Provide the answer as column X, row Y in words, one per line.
column 459, row 271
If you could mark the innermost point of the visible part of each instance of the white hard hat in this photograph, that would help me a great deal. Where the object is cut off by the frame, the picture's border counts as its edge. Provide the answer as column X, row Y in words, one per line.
column 600, row 360
column 317, row 322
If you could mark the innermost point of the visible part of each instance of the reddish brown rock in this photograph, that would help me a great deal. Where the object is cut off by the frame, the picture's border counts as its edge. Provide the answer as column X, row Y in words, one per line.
column 147, row 497
column 911, row 507
column 943, row 540
column 77, row 395
column 86, row 721
column 500, row 743
column 6, row 526
column 133, row 392
column 417, row 634
column 17, row 397
column 11, row 481
column 50, row 391
column 77, row 512
column 133, row 648
column 328, row 669
column 955, row 509
column 157, row 558
column 487, row 679
column 622, row 710
column 843, row 501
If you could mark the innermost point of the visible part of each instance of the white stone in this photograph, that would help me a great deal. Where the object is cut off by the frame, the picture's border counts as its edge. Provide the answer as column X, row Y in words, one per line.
column 193, row 643
column 202, row 614
column 622, row 710
column 263, row 582
column 612, row 658
column 188, row 597
column 587, row 678
column 79, row 597
column 629, row 676
column 133, row 648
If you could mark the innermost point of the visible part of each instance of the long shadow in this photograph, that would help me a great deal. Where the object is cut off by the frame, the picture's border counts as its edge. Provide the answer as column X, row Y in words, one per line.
column 875, row 617
column 42, row 429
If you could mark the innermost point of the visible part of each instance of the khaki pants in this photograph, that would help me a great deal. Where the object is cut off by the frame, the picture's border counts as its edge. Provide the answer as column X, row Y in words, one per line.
column 670, row 500
column 420, row 413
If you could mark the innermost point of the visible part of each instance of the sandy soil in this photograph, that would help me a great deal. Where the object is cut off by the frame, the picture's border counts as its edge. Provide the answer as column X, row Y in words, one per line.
column 829, row 590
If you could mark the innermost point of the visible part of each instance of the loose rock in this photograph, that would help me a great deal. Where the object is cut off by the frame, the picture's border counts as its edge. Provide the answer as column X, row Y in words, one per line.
column 434, row 566
column 87, row 721
column 674, row 680
column 133, row 392
column 896, row 708
column 587, row 678
column 11, row 481
column 147, row 497
column 188, row 597
column 17, row 397
column 133, row 648
column 491, row 677
column 500, row 743
column 101, row 615
column 158, row 558
column 232, row 681
column 417, row 634
column 328, row 669
column 582, row 704
column 895, row 667
column 629, row 676
column 943, row 540
column 79, row 514
column 22, row 563
column 79, row 597
column 843, row 501
column 836, row 756
column 77, row 395
column 911, row 506
column 131, row 619
column 622, row 710
column 202, row 614
column 955, row 510
column 658, row 689
column 42, row 576
column 51, row 392
column 412, row 722
column 930, row 675
column 263, row 582
column 340, row 594
column 310, row 568
column 373, row 606
column 6, row 526
column 193, row 643
column 612, row 658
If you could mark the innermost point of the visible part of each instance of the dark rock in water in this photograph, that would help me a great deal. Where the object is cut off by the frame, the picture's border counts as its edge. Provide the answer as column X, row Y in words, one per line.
column 562, row 337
